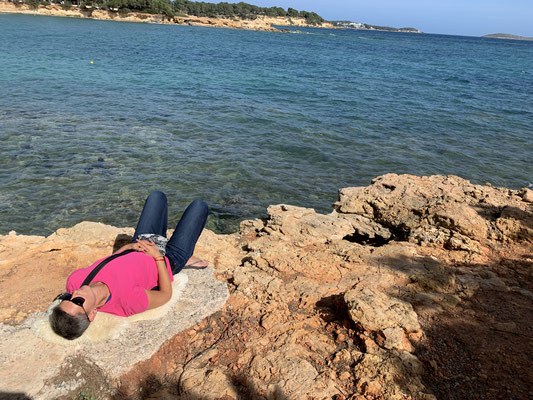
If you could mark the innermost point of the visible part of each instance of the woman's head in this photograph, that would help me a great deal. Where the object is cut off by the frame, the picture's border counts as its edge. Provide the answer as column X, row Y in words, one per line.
column 67, row 325
column 75, row 312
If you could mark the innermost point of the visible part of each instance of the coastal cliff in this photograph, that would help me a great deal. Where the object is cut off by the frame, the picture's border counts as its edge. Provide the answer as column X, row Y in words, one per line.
column 261, row 23
column 411, row 288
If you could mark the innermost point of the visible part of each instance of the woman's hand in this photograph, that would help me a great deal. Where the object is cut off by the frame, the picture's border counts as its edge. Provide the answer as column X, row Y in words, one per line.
column 128, row 246
column 148, row 248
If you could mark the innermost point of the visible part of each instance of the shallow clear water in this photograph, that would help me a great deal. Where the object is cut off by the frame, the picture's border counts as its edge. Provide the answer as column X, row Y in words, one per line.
column 244, row 119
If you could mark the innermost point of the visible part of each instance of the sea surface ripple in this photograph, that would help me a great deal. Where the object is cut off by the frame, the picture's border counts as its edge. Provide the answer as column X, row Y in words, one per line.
column 244, row 119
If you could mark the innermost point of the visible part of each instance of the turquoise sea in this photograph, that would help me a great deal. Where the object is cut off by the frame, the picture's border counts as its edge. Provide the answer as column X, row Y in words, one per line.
column 244, row 119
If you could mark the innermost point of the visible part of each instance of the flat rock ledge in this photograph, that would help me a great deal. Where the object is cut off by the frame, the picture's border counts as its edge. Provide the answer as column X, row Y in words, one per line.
column 44, row 370
column 412, row 288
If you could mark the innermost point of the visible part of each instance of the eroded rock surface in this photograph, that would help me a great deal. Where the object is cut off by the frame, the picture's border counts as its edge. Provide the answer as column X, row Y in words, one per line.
column 375, row 311
column 412, row 288
column 447, row 211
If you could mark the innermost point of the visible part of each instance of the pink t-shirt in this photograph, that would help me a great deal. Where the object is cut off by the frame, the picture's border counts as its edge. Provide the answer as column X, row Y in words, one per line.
column 127, row 278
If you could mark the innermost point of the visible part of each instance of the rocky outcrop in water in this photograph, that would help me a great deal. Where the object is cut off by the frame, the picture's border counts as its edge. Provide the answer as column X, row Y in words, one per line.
column 412, row 288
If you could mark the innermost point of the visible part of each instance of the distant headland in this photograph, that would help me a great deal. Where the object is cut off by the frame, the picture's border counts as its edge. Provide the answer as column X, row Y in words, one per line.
column 507, row 36
column 183, row 12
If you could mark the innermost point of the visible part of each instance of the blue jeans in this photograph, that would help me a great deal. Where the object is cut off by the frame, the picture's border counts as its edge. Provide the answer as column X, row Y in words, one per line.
column 154, row 219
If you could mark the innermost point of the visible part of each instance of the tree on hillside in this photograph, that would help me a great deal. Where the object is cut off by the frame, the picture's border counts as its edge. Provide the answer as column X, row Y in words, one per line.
column 197, row 8
column 291, row 12
column 311, row 18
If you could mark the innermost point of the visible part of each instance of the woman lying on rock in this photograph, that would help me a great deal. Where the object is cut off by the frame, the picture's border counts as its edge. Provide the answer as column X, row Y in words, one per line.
column 138, row 276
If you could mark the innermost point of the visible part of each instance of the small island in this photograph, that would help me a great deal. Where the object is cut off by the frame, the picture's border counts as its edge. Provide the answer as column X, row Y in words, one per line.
column 507, row 36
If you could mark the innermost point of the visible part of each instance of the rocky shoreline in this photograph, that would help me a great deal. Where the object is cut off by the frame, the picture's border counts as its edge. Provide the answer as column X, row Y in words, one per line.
column 412, row 288
column 262, row 23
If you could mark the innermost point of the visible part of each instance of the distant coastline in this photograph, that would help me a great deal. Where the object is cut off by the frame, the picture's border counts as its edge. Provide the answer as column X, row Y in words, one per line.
column 261, row 23
column 368, row 27
column 507, row 36
column 258, row 23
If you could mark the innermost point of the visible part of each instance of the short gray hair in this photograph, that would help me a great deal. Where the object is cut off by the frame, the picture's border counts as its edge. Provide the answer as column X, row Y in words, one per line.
column 69, row 326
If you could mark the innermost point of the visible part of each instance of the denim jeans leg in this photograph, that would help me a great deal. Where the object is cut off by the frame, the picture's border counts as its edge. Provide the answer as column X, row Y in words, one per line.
column 154, row 216
column 181, row 245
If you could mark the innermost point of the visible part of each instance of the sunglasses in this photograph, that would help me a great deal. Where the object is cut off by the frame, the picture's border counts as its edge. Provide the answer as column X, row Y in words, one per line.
column 76, row 300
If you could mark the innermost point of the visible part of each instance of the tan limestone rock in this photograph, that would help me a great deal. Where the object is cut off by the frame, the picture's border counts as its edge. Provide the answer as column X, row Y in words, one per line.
column 208, row 383
column 527, row 195
column 375, row 311
column 435, row 209
column 320, row 305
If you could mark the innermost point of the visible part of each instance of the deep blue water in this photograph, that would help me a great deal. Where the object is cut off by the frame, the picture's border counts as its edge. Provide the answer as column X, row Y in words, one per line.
column 244, row 119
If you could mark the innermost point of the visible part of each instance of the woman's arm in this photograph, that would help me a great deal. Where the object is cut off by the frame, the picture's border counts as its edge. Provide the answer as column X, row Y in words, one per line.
column 159, row 297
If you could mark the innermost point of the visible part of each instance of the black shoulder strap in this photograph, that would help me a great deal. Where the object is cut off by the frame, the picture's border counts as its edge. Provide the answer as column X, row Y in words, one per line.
column 97, row 269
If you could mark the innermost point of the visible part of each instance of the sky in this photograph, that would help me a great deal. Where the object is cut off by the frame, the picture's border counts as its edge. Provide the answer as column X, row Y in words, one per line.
column 454, row 17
